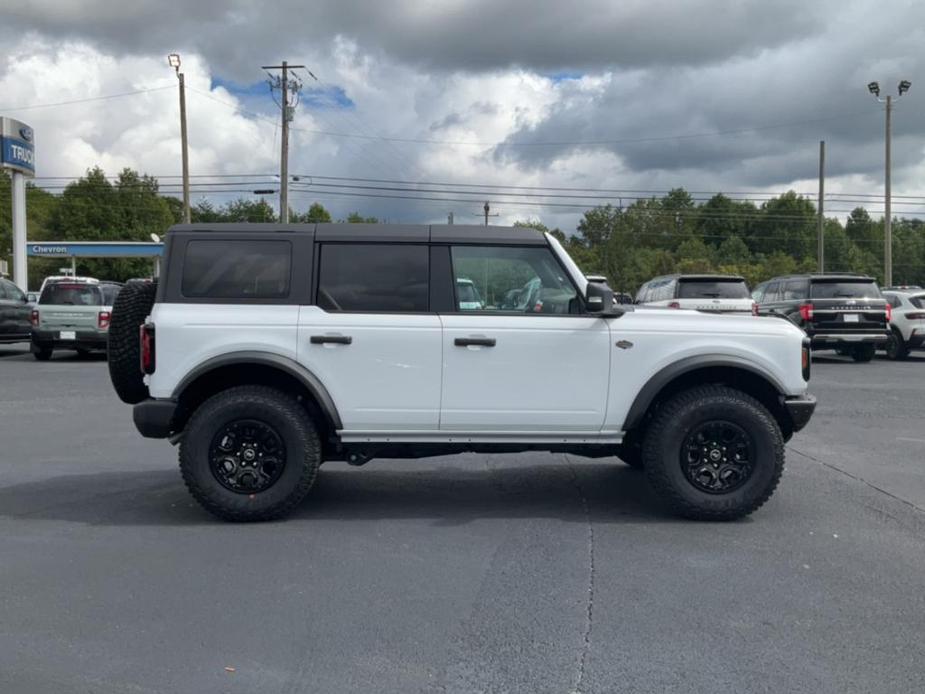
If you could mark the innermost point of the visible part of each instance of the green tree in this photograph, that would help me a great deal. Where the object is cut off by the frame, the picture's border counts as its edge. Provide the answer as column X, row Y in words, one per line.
column 357, row 218
column 316, row 214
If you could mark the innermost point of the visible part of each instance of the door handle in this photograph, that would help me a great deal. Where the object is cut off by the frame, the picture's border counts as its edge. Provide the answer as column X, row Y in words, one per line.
column 331, row 339
column 474, row 342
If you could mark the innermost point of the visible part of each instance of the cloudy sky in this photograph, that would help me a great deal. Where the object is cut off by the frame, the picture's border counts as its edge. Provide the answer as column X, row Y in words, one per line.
column 637, row 95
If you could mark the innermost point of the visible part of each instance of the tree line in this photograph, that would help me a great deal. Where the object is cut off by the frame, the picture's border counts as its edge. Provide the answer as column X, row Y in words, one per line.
column 629, row 245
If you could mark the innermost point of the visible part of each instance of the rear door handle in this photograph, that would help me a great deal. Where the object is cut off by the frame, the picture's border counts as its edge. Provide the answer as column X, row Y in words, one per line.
column 474, row 342
column 331, row 339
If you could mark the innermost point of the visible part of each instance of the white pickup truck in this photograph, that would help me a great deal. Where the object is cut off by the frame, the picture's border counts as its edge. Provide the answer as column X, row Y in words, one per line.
column 266, row 350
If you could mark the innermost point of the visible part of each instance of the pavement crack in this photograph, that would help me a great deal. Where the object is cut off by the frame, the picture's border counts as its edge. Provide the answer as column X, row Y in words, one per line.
column 857, row 479
column 581, row 670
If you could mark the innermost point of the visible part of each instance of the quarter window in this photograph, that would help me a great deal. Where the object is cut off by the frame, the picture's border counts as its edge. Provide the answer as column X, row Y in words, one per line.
column 222, row 269
column 374, row 278
column 511, row 279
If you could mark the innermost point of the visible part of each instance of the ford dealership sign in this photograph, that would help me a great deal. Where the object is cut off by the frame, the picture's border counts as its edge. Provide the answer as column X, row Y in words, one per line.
column 17, row 147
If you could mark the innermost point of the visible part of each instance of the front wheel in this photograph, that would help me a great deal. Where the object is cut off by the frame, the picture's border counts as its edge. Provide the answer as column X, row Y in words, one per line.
column 250, row 453
column 713, row 453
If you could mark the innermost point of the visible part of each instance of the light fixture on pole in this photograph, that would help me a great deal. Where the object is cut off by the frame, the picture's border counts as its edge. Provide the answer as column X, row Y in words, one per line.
column 174, row 61
column 874, row 88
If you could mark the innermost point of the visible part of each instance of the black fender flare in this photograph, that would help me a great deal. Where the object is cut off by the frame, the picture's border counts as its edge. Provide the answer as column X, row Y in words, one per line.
column 288, row 366
column 667, row 374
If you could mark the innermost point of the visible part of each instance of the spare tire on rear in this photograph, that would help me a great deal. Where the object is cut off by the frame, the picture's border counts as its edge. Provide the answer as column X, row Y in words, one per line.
column 133, row 304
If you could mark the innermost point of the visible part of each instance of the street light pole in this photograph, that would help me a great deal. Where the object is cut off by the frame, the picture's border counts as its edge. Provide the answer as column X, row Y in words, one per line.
column 174, row 60
column 874, row 88
column 887, row 199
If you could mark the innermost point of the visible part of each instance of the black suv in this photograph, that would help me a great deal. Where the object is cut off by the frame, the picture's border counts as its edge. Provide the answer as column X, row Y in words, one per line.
column 844, row 312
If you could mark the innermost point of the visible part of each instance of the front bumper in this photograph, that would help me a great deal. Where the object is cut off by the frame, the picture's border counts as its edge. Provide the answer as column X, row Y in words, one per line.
column 87, row 339
column 800, row 409
column 154, row 418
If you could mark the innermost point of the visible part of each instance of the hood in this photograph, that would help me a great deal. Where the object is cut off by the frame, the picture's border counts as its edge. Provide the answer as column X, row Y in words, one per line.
column 681, row 320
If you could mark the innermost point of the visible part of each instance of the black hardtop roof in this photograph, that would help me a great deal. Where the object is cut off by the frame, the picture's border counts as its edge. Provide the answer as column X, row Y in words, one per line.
column 383, row 233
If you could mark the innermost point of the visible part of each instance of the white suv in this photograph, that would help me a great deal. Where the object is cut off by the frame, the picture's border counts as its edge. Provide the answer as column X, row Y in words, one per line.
column 269, row 349
column 907, row 322
column 710, row 293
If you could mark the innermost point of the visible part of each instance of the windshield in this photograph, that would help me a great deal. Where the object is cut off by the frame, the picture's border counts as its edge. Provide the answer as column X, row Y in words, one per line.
column 846, row 289
column 67, row 294
column 712, row 289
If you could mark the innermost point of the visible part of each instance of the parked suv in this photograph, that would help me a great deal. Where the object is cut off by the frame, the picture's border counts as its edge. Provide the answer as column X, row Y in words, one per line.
column 14, row 313
column 843, row 312
column 269, row 349
column 907, row 324
column 711, row 293
column 72, row 315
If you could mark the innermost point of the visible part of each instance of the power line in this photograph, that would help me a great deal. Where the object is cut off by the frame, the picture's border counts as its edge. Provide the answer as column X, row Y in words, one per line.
column 88, row 99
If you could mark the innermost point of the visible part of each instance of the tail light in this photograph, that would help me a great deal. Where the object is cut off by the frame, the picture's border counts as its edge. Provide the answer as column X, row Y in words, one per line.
column 35, row 318
column 102, row 320
column 909, row 316
column 754, row 308
column 807, row 359
column 148, row 355
column 674, row 304
column 889, row 313
column 806, row 311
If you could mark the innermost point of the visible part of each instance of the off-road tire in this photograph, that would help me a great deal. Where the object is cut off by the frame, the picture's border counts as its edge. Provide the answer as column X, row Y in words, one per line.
column 133, row 304
column 684, row 412
column 896, row 347
column 863, row 353
column 287, row 417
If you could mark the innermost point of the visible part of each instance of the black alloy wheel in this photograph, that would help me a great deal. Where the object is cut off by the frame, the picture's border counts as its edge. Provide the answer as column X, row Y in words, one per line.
column 247, row 456
column 717, row 457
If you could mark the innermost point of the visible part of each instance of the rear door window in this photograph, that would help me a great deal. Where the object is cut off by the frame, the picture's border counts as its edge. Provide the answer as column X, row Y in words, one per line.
column 71, row 294
column 845, row 289
column 223, row 269
column 793, row 290
column 712, row 289
column 374, row 278
column 917, row 301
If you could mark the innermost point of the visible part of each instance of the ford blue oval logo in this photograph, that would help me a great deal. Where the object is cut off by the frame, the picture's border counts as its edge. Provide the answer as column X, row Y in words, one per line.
column 26, row 133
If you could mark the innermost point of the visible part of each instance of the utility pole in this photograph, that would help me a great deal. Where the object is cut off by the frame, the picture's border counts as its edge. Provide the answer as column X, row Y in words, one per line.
column 874, row 88
column 887, row 199
column 821, row 206
column 174, row 61
column 284, row 84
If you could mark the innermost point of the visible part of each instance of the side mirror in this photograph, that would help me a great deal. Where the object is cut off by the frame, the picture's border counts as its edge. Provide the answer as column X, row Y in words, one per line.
column 599, row 300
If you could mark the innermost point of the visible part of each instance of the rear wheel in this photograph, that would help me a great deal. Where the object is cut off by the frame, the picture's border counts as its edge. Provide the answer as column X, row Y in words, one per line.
column 250, row 453
column 863, row 353
column 896, row 347
column 713, row 453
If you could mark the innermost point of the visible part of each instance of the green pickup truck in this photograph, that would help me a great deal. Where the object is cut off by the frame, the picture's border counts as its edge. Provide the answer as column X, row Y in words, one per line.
column 72, row 314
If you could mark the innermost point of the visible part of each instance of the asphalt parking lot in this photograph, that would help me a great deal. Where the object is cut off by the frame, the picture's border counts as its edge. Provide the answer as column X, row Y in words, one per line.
column 520, row 573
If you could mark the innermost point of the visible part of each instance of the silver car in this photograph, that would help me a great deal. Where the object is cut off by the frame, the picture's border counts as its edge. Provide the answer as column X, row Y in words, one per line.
column 72, row 315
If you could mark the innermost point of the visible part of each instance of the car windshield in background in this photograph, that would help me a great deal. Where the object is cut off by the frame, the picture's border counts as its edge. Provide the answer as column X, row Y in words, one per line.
column 67, row 294
column 844, row 290
column 712, row 289
column 466, row 292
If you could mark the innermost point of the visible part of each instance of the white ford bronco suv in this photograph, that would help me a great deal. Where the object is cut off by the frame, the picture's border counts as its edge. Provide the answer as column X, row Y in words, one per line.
column 268, row 349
